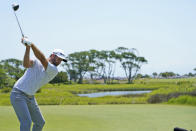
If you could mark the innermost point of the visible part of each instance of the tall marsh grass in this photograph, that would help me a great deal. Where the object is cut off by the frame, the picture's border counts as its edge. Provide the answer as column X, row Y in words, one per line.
column 163, row 90
column 185, row 100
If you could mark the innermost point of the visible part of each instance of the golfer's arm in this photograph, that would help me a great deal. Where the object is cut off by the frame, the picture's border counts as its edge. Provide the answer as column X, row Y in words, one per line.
column 26, row 61
column 40, row 56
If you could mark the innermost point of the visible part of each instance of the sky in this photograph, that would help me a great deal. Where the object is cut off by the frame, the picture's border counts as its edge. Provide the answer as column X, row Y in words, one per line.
column 163, row 31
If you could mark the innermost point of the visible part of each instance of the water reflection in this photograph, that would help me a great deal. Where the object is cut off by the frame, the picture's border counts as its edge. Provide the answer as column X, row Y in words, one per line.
column 113, row 93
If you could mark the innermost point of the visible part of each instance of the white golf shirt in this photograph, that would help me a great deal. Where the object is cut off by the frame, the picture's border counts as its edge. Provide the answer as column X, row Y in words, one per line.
column 35, row 77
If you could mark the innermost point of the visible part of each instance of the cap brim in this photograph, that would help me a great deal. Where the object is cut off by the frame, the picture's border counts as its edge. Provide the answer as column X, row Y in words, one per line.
column 64, row 60
column 15, row 7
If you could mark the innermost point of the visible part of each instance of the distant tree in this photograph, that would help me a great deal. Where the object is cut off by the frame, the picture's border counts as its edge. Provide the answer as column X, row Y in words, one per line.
column 102, row 64
column 78, row 64
column 190, row 74
column 5, row 80
column 178, row 75
column 139, row 76
column 107, row 64
column 3, row 77
column 96, row 63
column 154, row 74
column 195, row 71
column 71, row 73
column 146, row 76
column 130, row 61
column 93, row 63
column 61, row 77
column 167, row 74
column 13, row 68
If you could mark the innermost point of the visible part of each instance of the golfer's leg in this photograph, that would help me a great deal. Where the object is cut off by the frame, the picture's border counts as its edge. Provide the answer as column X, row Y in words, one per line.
column 22, row 112
column 36, row 116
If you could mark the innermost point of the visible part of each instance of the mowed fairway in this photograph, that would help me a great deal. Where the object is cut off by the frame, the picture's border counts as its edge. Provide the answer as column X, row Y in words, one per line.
column 141, row 117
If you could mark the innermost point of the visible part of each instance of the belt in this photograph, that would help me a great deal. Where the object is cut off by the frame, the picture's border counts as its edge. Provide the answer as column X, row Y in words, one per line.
column 25, row 94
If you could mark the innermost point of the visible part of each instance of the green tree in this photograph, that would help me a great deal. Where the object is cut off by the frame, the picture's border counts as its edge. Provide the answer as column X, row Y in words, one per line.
column 3, row 77
column 190, row 74
column 13, row 68
column 130, row 61
column 5, row 80
column 79, row 63
column 106, row 63
column 72, row 73
column 93, row 63
column 139, row 76
column 154, row 74
column 146, row 76
column 167, row 74
column 61, row 77
column 195, row 71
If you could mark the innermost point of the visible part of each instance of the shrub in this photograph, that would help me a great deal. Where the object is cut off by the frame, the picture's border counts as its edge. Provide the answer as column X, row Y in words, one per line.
column 188, row 100
column 6, row 90
column 184, row 83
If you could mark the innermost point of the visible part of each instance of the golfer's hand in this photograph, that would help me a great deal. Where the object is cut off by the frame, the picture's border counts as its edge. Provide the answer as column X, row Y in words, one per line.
column 25, row 41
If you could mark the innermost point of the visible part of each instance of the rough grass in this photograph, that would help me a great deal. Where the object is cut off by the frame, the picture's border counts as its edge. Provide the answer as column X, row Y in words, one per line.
column 163, row 91
column 145, row 117
column 185, row 100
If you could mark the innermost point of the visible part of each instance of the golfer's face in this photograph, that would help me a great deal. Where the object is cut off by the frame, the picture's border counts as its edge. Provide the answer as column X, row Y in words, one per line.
column 56, row 60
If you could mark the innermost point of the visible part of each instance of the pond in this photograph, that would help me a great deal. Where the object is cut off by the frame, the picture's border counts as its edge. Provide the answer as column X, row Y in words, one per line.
column 113, row 93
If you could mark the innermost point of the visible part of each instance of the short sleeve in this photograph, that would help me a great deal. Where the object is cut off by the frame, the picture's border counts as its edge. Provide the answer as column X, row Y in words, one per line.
column 51, row 70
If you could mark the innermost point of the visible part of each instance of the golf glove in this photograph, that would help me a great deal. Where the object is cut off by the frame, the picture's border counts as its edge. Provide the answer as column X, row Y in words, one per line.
column 26, row 42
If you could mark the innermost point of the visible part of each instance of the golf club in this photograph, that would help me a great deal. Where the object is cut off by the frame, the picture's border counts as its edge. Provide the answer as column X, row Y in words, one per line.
column 15, row 7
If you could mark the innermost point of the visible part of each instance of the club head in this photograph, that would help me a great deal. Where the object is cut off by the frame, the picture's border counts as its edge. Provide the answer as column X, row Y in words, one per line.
column 15, row 7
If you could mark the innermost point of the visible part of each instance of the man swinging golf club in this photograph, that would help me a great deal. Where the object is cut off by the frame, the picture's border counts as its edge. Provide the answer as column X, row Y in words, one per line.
column 39, row 72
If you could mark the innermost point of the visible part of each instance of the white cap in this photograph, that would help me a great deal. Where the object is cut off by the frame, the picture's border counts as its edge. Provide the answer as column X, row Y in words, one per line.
column 60, row 53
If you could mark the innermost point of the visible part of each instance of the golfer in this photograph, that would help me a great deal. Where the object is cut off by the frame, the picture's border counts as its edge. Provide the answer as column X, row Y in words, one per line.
column 39, row 72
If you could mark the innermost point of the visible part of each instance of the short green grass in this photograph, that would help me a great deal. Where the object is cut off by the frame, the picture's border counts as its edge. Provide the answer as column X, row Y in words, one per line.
column 137, row 117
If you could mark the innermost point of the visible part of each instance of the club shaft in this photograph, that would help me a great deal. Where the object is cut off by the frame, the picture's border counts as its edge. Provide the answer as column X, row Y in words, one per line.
column 19, row 24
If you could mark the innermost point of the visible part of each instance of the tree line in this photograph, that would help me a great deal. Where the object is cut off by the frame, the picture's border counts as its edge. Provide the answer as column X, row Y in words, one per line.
column 102, row 64
column 167, row 75
column 96, row 64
